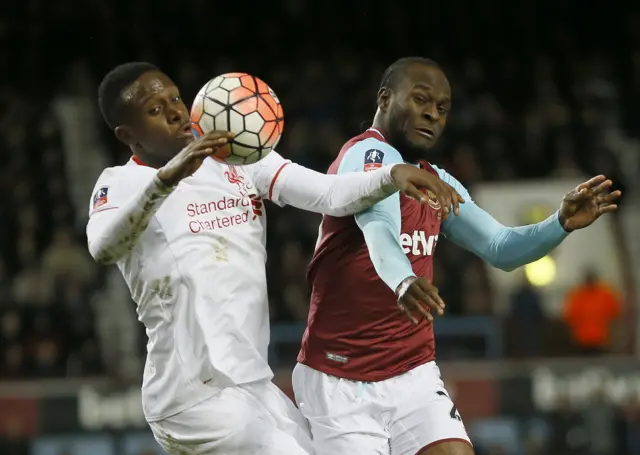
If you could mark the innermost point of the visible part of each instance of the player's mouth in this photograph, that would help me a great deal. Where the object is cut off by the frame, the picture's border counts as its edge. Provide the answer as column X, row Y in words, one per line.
column 426, row 132
column 185, row 130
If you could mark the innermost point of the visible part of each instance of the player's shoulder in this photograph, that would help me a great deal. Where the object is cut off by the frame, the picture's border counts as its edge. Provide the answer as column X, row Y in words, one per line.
column 366, row 151
column 120, row 181
column 130, row 172
column 451, row 180
column 371, row 139
column 442, row 173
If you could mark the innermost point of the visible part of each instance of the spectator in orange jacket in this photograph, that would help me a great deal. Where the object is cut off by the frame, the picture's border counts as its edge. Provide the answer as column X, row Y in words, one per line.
column 589, row 309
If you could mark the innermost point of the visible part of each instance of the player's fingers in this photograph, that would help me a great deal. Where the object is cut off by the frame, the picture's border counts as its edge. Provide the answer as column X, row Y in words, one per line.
column 205, row 148
column 415, row 300
column 407, row 313
column 455, row 199
column 428, row 297
column 218, row 135
column 427, row 288
column 609, row 208
column 604, row 186
column 592, row 182
column 201, row 153
column 434, row 301
column 608, row 198
column 216, row 142
column 415, row 193
column 444, row 197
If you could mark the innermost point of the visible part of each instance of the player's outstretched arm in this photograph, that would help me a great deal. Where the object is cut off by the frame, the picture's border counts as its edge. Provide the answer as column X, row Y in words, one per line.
column 287, row 183
column 508, row 248
column 118, row 216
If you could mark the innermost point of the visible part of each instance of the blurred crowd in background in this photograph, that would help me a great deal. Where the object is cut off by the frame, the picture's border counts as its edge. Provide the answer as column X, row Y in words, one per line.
column 538, row 90
column 532, row 98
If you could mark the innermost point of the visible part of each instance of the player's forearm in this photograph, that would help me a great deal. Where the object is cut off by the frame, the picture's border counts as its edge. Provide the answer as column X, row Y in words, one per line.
column 514, row 247
column 385, row 251
column 113, row 234
column 335, row 195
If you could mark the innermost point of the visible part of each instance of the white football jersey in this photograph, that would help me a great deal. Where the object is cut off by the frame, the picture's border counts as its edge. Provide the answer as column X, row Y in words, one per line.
column 194, row 260
column 197, row 274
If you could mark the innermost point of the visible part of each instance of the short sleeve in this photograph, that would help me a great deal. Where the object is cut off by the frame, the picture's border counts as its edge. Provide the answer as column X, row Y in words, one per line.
column 368, row 155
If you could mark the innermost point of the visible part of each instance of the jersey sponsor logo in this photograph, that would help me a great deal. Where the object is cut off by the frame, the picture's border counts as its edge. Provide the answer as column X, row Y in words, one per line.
column 100, row 198
column 373, row 160
column 418, row 243
column 214, row 215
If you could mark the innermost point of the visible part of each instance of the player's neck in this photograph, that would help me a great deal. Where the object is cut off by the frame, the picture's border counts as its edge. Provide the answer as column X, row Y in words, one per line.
column 144, row 159
column 379, row 125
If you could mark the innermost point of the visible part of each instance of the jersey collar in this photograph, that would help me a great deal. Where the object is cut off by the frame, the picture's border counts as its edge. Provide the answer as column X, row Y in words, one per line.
column 136, row 160
column 378, row 132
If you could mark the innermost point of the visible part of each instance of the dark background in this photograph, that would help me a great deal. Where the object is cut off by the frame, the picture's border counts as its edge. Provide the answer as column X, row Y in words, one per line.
column 540, row 90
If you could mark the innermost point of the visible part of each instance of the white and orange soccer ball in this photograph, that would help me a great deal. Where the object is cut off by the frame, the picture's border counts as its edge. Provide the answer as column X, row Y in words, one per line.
column 244, row 105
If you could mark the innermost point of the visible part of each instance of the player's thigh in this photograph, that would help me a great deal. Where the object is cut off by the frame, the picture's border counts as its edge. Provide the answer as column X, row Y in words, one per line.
column 231, row 422
column 448, row 448
column 426, row 420
column 342, row 416
column 287, row 416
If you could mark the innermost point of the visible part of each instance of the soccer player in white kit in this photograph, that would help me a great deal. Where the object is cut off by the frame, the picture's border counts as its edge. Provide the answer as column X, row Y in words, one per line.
column 188, row 235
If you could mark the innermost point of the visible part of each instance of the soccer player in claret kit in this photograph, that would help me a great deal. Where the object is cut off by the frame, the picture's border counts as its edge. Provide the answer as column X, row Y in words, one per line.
column 366, row 377
column 188, row 235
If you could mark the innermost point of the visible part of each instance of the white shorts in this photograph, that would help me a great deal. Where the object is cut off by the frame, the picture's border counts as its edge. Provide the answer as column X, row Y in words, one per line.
column 244, row 420
column 399, row 416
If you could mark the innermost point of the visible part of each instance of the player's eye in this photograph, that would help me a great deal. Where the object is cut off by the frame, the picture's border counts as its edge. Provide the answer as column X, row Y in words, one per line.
column 419, row 99
column 443, row 110
column 154, row 110
column 177, row 99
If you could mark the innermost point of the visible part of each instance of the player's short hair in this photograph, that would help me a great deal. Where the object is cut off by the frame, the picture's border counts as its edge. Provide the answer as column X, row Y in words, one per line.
column 114, row 83
column 393, row 74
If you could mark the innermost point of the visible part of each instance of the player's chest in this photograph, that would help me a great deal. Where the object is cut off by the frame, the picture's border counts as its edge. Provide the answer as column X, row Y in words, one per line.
column 219, row 202
column 420, row 226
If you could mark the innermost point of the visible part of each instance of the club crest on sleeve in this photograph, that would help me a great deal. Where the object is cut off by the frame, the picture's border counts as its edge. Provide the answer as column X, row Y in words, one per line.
column 373, row 159
column 100, row 198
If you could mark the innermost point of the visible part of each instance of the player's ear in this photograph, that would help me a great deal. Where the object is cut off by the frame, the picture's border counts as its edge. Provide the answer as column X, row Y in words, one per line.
column 383, row 98
column 125, row 135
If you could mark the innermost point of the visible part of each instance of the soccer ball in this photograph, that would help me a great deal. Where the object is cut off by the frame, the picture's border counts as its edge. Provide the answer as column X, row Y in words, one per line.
column 244, row 105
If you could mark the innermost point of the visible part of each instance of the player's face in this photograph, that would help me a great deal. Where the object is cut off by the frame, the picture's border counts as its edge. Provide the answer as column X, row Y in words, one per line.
column 418, row 110
column 159, row 120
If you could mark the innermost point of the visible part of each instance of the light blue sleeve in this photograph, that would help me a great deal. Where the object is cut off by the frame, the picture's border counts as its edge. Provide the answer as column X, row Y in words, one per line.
column 380, row 224
column 506, row 248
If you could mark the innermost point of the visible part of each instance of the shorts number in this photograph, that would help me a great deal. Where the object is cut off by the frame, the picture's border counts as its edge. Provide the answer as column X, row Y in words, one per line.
column 454, row 414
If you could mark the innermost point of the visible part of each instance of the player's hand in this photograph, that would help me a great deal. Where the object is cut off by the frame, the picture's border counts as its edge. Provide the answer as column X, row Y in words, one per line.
column 190, row 158
column 418, row 296
column 588, row 202
column 409, row 179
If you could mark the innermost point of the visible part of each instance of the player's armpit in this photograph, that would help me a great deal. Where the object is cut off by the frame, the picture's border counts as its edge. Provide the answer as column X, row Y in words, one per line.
column 113, row 231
